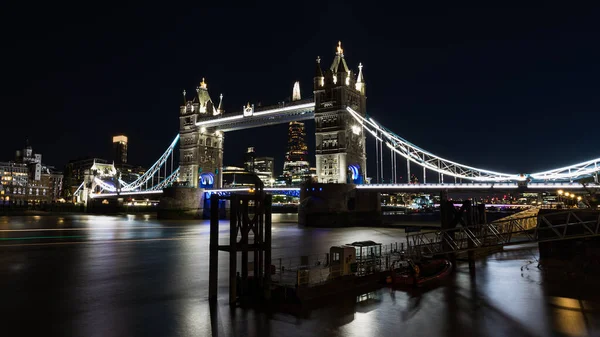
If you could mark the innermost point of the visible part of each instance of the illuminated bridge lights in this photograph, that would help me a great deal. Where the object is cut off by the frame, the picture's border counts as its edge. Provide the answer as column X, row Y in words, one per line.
column 449, row 168
column 291, row 191
column 479, row 179
column 263, row 117
column 295, row 191
column 124, row 194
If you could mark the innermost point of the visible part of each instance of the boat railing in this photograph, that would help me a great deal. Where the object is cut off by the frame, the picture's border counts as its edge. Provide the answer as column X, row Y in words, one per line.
column 316, row 269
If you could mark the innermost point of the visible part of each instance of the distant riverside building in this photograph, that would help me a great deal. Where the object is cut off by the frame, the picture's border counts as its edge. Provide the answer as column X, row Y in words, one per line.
column 129, row 173
column 28, row 181
column 120, row 149
column 296, row 167
column 75, row 172
column 249, row 157
column 262, row 166
column 234, row 176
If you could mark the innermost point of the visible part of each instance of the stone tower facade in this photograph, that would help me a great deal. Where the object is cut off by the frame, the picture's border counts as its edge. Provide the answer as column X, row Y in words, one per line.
column 201, row 149
column 340, row 140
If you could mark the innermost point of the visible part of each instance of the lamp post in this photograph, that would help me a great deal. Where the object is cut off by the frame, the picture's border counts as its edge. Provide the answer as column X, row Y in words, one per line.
column 560, row 193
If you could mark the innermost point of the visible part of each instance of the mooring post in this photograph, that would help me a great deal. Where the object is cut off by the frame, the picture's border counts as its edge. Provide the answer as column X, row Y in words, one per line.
column 213, row 271
column 447, row 215
column 267, row 245
column 244, row 208
column 258, row 240
column 470, row 211
column 234, row 207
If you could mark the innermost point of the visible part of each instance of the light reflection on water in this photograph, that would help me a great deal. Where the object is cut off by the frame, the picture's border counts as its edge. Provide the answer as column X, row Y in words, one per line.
column 112, row 288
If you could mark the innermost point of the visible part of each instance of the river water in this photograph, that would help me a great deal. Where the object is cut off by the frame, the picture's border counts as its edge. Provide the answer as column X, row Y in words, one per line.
column 90, row 275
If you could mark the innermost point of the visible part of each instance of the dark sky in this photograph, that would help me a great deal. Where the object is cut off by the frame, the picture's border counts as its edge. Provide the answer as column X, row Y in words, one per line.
column 509, row 89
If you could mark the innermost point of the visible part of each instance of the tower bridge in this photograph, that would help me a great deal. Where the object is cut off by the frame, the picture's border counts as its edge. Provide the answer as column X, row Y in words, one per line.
column 338, row 106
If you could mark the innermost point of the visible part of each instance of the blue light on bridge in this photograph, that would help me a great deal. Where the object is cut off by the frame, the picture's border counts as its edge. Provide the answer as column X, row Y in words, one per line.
column 207, row 180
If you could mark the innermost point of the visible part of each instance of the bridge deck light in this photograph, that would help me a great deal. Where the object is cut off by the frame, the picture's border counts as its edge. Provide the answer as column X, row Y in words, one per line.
column 560, row 192
column 356, row 129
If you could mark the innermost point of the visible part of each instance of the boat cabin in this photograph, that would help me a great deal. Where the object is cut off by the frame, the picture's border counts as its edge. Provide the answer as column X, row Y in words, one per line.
column 361, row 258
column 341, row 260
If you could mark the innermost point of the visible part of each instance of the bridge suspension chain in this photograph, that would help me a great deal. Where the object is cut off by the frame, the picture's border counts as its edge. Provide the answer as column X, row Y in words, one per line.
column 155, row 170
column 443, row 166
column 426, row 159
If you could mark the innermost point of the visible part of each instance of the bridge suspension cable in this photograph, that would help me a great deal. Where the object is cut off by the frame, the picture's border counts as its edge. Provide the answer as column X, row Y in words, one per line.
column 426, row 159
column 442, row 166
column 155, row 170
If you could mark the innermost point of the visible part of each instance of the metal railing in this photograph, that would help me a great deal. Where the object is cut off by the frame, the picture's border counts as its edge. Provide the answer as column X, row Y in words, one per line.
column 535, row 228
column 317, row 269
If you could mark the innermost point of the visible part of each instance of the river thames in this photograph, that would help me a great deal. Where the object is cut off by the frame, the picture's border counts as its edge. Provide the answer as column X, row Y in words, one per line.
column 90, row 275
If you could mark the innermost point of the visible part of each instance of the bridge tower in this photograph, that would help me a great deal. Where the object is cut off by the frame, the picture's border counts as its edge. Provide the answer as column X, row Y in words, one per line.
column 340, row 141
column 201, row 149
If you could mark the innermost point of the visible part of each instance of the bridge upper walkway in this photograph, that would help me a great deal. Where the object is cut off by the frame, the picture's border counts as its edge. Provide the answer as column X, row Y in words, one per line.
column 261, row 116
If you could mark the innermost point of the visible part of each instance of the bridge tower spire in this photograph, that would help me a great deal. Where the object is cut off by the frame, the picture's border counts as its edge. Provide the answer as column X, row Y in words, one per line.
column 340, row 141
column 360, row 80
column 319, row 79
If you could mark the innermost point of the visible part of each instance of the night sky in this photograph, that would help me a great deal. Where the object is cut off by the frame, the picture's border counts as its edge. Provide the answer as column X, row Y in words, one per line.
column 508, row 89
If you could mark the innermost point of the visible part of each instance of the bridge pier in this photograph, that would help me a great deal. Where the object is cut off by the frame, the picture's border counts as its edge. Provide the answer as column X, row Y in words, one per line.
column 181, row 203
column 338, row 205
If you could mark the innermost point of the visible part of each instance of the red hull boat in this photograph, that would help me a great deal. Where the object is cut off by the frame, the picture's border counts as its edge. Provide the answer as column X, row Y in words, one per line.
column 421, row 274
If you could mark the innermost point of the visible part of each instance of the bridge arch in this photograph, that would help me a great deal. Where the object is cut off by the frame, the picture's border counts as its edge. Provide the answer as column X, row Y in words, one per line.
column 207, row 180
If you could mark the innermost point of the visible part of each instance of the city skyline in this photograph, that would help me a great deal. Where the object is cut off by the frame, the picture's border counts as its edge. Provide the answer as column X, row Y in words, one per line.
column 439, row 91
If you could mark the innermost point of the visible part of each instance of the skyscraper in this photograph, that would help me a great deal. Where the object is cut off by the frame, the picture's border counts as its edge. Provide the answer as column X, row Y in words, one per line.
column 120, row 149
column 296, row 166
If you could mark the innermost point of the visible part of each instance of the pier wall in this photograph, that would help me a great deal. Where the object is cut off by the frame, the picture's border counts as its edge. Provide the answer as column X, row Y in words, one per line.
column 338, row 205
column 181, row 203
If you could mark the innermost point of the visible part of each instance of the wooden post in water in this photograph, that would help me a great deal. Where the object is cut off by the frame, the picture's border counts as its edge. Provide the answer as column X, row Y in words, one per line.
column 471, row 220
column 234, row 207
column 241, row 223
column 447, row 213
column 213, row 271
column 266, row 247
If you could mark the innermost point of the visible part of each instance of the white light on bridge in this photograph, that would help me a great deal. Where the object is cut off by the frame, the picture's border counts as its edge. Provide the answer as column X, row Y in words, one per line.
column 356, row 129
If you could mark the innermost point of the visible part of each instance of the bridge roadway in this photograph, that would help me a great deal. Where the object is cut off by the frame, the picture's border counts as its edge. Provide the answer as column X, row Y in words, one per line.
column 389, row 188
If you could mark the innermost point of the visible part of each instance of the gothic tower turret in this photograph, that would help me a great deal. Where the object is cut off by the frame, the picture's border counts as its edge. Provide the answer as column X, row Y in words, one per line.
column 340, row 140
column 319, row 79
column 201, row 149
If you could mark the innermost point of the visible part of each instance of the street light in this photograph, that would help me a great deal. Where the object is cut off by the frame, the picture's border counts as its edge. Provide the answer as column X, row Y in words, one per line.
column 578, row 198
column 560, row 193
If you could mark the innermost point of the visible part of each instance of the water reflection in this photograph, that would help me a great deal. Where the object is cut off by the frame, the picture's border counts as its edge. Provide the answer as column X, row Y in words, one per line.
column 128, row 286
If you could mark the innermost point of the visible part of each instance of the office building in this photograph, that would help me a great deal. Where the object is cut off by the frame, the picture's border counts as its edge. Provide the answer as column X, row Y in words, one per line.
column 296, row 167
column 120, row 149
